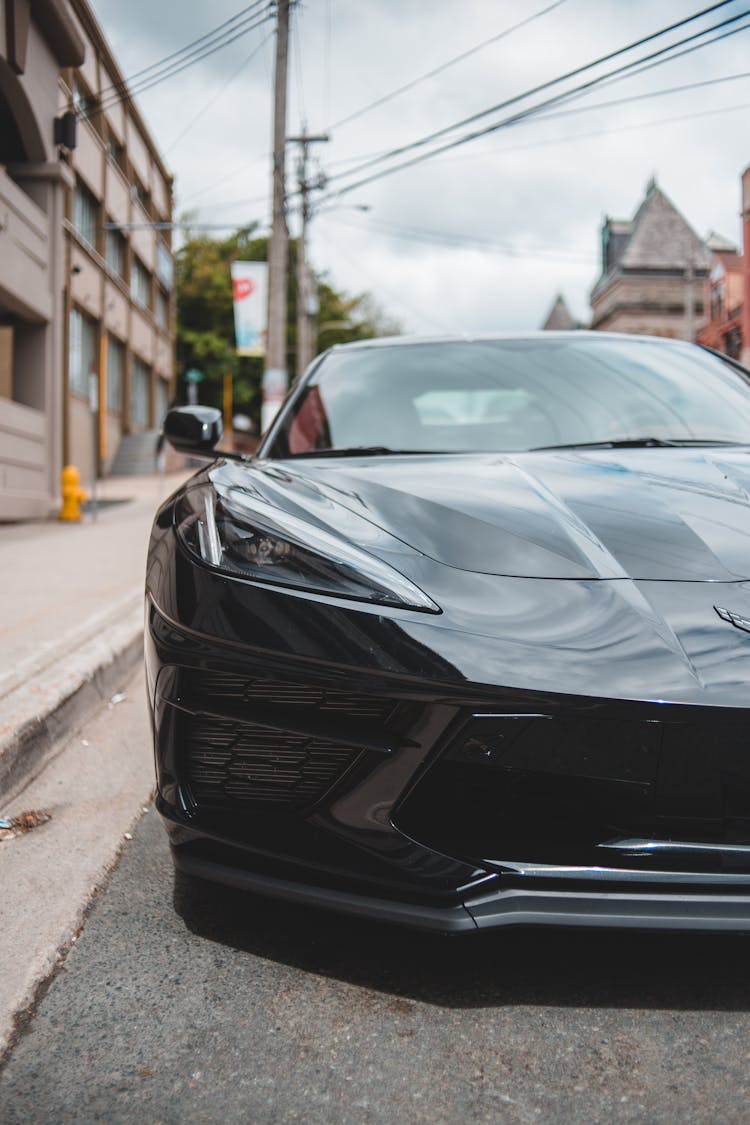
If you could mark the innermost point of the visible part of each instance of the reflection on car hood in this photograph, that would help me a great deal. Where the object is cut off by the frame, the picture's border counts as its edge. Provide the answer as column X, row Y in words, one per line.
column 680, row 514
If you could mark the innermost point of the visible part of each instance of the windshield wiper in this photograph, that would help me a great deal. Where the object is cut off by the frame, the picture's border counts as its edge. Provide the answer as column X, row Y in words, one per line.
column 362, row 451
column 636, row 443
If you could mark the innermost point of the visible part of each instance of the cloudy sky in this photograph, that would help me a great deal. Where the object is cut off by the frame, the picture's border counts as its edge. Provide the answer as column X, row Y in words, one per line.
column 482, row 237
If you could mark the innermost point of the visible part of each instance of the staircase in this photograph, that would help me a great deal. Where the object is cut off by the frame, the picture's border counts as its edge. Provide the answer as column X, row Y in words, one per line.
column 136, row 455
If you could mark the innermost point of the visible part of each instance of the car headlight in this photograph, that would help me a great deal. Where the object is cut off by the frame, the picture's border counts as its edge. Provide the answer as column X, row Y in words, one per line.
column 241, row 534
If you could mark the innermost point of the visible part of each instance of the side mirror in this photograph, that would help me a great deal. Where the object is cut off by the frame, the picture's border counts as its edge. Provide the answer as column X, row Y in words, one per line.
column 194, row 429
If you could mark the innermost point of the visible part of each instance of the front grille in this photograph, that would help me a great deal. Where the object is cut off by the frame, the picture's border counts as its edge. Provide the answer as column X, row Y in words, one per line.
column 262, row 691
column 564, row 790
column 239, row 763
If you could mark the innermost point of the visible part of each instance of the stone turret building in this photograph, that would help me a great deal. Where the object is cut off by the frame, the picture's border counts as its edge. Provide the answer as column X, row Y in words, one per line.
column 653, row 269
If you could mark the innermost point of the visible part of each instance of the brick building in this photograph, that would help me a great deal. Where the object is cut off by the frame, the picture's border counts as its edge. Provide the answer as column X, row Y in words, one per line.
column 723, row 298
column 653, row 269
column 727, row 291
column 745, row 316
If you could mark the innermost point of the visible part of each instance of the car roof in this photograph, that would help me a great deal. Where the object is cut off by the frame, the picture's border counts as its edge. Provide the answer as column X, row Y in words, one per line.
column 486, row 337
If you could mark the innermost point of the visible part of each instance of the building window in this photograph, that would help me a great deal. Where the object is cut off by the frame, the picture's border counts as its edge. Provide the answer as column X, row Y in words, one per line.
column 140, row 195
column 733, row 343
column 116, row 152
column 161, row 311
column 164, row 265
column 140, row 404
column 115, row 368
column 140, row 284
column 115, row 252
column 82, row 352
column 83, row 101
column 85, row 214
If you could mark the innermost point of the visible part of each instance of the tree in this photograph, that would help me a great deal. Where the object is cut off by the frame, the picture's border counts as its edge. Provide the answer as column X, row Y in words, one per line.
column 205, row 316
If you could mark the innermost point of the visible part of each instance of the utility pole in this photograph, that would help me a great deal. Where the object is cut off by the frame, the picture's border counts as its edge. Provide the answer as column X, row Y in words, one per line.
column 275, row 375
column 306, row 297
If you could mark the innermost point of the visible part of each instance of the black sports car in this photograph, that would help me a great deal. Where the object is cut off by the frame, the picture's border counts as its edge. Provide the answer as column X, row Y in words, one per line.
column 467, row 643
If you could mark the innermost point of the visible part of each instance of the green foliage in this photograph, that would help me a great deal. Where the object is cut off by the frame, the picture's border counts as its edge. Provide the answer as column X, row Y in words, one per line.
column 205, row 317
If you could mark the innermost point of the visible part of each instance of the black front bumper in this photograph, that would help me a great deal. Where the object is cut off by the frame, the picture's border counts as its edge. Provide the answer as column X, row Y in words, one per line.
column 444, row 807
column 353, row 757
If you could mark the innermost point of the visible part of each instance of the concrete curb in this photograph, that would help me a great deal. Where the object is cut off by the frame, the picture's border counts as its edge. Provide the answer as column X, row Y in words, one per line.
column 39, row 714
column 96, row 787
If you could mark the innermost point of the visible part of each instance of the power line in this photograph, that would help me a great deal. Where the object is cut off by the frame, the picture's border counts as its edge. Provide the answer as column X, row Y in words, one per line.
column 692, row 116
column 460, row 241
column 150, row 83
column 684, row 88
column 569, row 112
column 443, row 66
column 643, row 97
column 170, row 72
column 371, row 159
column 561, row 140
column 117, row 87
column 571, row 138
column 503, row 123
column 537, row 118
column 437, row 134
column 681, row 54
column 221, row 90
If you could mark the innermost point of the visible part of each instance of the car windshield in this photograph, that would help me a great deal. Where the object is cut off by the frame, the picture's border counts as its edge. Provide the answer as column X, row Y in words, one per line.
column 512, row 395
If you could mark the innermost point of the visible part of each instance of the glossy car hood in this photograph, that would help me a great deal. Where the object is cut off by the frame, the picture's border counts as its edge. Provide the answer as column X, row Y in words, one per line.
column 651, row 514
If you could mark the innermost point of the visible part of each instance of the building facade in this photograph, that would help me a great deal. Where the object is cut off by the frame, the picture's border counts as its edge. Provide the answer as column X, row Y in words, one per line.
column 653, row 269
column 86, row 273
column 723, row 298
column 119, row 298
column 727, row 296
column 745, row 315
column 35, row 185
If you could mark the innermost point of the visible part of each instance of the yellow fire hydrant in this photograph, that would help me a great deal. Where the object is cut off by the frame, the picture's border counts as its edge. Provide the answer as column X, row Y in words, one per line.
column 72, row 494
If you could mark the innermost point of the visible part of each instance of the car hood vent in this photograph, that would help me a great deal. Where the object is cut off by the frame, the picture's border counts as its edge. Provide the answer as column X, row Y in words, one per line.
column 648, row 514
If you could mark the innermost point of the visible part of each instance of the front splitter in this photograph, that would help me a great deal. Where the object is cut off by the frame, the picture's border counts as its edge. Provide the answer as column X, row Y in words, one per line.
column 510, row 907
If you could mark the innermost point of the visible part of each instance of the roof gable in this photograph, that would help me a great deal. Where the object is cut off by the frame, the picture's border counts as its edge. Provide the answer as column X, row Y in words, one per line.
column 662, row 238
column 559, row 317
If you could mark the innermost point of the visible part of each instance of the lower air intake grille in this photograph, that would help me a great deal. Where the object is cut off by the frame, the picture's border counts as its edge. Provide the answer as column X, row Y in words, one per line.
column 266, row 692
column 230, row 763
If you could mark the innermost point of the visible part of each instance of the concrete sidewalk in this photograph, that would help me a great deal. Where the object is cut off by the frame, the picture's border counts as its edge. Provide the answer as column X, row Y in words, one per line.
column 71, row 619
column 71, row 636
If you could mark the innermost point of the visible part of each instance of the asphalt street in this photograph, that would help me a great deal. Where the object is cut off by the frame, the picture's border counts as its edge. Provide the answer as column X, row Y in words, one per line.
column 235, row 1009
